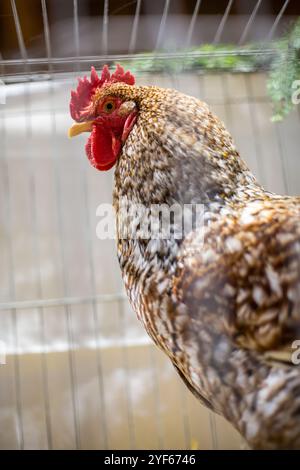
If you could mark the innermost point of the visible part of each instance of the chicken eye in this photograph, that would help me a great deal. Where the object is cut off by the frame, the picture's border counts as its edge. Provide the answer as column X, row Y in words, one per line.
column 109, row 106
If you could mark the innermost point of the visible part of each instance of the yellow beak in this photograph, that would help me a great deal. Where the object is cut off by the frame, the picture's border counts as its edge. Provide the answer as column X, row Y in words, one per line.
column 80, row 127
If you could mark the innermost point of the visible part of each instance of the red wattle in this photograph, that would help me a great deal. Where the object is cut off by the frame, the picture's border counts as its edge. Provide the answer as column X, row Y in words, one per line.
column 103, row 148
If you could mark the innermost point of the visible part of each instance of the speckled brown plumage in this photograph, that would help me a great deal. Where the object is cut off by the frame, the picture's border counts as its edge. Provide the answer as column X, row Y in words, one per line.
column 219, row 309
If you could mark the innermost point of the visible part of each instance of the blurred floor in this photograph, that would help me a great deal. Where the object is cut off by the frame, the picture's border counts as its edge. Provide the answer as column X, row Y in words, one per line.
column 80, row 371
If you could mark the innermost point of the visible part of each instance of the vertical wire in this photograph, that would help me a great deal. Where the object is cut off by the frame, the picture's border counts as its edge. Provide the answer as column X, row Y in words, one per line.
column 213, row 430
column 105, row 28
column 282, row 160
column 201, row 87
column 255, row 128
column 277, row 125
column 192, row 24
column 20, row 38
column 18, row 381
column 67, row 308
column 2, row 68
column 126, row 367
column 185, row 415
column 12, row 294
column 162, row 25
column 222, row 23
column 68, row 314
column 249, row 23
column 45, row 380
column 159, row 426
column 35, row 249
column 135, row 25
column 95, row 312
column 226, row 100
column 76, row 33
column 189, row 35
column 47, row 33
column 277, row 19
column 41, row 310
column 258, row 151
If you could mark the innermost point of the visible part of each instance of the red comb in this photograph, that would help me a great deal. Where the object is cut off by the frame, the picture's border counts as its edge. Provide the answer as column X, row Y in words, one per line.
column 81, row 98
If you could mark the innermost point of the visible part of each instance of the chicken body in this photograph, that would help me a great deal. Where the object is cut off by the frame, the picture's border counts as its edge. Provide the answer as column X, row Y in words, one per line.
column 222, row 299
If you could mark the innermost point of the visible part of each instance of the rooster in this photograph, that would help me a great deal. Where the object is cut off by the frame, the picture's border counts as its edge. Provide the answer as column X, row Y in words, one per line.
column 223, row 300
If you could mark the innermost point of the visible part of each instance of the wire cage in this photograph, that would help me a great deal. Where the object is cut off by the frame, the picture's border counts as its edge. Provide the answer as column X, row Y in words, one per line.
column 78, row 371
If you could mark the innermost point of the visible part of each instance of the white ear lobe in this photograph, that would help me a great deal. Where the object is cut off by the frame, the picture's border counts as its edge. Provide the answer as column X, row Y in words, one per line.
column 126, row 108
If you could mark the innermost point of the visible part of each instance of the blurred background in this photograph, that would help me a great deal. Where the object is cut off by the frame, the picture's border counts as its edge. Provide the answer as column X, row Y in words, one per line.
column 78, row 370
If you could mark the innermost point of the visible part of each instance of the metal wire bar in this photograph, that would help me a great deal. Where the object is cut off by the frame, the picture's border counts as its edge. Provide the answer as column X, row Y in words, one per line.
column 99, row 367
column 19, row 409
column 76, row 32
column 11, row 270
column 249, row 23
column 64, row 301
column 135, row 27
column 36, row 254
column 217, row 101
column 44, row 353
column 162, row 25
column 43, row 75
column 277, row 19
column 192, row 23
column 257, row 141
column 67, row 307
column 222, row 23
column 73, row 375
column 282, row 159
column 21, row 42
column 158, row 408
column 2, row 68
column 213, row 430
column 280, row 141
column 46, row 33
column 255, row 129
column 105, row 28
column 130, row 419
column 160, row 55
column 185, row 416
